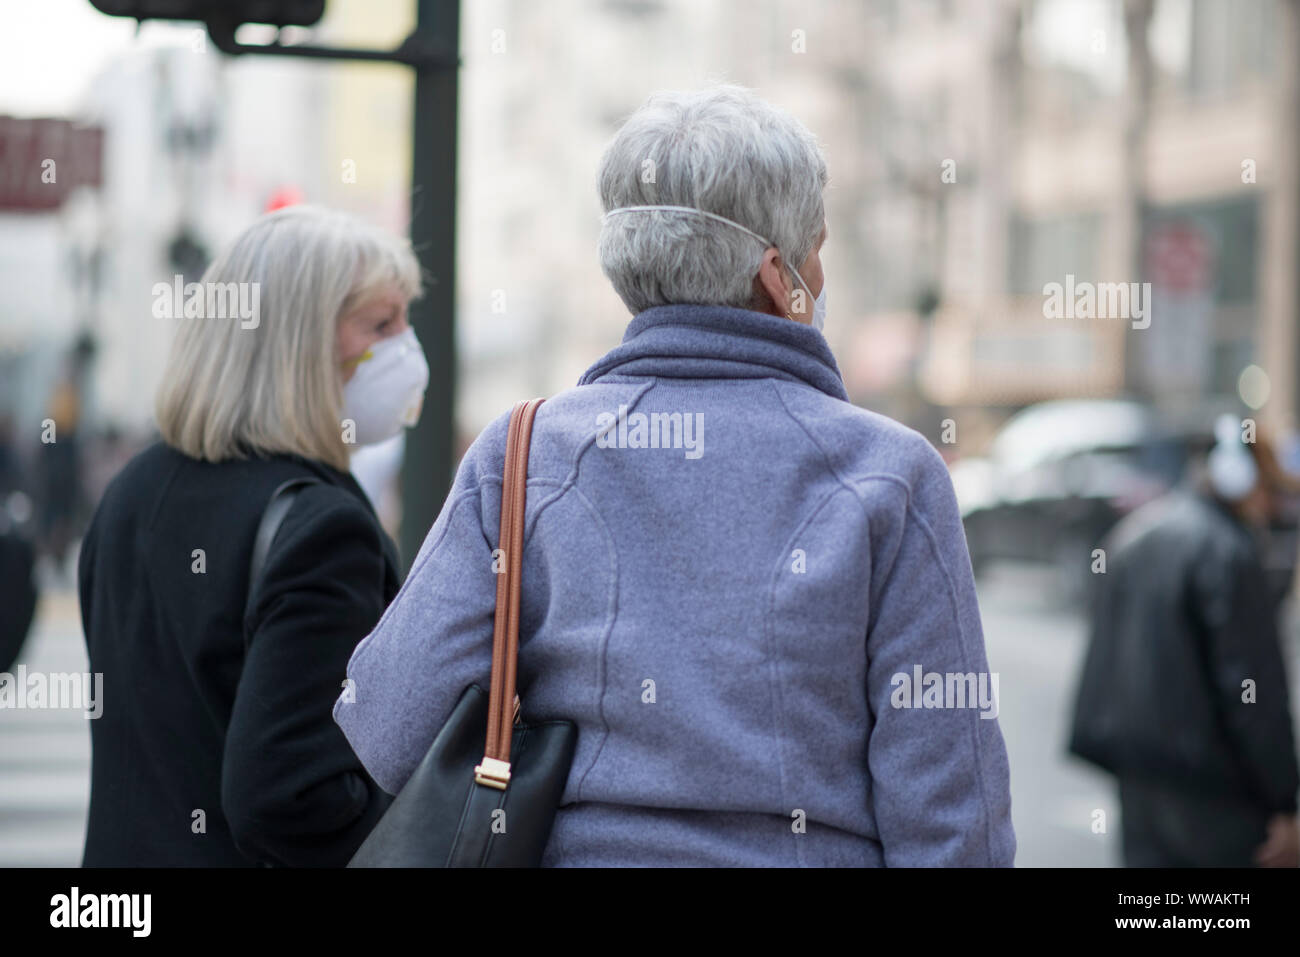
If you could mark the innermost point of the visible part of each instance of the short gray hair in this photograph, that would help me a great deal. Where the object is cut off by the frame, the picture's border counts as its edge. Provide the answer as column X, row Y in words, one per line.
column 724, row 150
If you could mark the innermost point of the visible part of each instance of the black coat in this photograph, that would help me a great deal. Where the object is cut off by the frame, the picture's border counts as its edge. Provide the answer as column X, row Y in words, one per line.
column 1182, row 618
column 190, row 724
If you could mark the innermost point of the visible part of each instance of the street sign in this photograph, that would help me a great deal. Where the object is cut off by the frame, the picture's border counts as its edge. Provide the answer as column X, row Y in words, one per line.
column 43, row 160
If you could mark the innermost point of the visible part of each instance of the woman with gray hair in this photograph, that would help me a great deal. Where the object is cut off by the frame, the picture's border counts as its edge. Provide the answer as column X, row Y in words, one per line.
column 752, row 598
column 215, row 745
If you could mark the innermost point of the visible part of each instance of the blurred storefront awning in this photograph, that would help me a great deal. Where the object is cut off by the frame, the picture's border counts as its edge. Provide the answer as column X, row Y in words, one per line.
column 43, row 160
column 1009, row 353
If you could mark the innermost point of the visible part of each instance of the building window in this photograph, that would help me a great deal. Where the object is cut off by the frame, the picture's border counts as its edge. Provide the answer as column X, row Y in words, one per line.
column 1046, row 250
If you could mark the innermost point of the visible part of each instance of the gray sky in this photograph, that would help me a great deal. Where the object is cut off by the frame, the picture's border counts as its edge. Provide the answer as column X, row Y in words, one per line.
column 50, row 50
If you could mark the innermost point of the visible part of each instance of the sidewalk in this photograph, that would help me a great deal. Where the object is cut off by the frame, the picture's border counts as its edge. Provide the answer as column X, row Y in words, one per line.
column 45, row 754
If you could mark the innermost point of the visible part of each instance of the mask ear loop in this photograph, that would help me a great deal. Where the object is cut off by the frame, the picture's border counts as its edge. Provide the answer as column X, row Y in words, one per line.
column 351, row 364
column 807, row 290
column 767, row 243
column 689, row 209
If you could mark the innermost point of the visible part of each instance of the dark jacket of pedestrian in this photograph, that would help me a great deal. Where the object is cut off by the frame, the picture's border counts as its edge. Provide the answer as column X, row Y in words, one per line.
column 1183, row 686
column 206, row 753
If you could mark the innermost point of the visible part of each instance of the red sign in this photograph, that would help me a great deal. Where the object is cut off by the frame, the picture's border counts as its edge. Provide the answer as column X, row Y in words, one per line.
column 42, row 161
column 1180, row 257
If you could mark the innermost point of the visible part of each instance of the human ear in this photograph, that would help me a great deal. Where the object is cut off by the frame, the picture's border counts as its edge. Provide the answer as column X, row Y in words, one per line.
column 772, row 291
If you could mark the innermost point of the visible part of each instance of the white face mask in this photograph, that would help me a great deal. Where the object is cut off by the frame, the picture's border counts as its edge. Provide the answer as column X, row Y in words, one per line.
column 819, row 303
column 386, row 392
column 1233, row 472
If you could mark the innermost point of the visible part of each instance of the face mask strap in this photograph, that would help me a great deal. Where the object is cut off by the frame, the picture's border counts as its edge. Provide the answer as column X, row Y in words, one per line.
column 356, row 361
column 689, row 209
column 722, row 219
column 806, row 287
column 406, row 338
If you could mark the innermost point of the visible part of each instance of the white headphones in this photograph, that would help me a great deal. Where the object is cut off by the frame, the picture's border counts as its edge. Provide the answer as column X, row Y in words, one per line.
column 1232, row 469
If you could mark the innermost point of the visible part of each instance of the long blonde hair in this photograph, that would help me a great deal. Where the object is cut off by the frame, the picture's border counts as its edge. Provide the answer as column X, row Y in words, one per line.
column 232, row 389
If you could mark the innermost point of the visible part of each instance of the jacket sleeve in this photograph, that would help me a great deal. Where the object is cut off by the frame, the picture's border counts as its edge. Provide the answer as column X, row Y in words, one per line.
column 435, row 639
column 292, row 791
column 940, row 781
column 1242, row 644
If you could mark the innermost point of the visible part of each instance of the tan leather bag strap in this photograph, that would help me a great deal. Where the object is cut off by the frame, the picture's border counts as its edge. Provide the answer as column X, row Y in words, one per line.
column 503, row 703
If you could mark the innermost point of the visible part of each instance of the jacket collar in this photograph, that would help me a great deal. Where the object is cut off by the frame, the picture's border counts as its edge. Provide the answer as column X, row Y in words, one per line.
column 720, row 342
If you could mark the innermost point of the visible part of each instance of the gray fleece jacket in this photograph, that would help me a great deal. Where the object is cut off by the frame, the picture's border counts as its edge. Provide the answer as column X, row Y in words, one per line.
column 753, row 598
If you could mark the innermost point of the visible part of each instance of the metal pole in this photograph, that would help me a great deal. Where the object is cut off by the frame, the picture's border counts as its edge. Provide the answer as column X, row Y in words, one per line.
column 427, row 469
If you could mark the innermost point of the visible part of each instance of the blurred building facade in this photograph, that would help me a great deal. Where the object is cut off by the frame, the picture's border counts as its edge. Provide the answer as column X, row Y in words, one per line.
column 978, row 150
column 545, row 89
column 1167, row 160
column 196, row 145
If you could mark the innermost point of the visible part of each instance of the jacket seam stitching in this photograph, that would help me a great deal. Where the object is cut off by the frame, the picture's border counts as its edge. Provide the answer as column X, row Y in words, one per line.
column 611, row 618
column 963, row 647
column 774, row 667
column 952, row 601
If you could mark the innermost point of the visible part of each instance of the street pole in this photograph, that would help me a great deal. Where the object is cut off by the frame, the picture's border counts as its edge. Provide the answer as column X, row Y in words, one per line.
column 430, row 445
column 1137, row 374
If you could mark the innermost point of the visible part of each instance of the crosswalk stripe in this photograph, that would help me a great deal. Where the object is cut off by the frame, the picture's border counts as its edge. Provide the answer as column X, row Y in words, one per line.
column 45, row 754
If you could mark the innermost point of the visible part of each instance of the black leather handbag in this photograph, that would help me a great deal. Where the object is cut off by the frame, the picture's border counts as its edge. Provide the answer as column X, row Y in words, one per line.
column 467, row 805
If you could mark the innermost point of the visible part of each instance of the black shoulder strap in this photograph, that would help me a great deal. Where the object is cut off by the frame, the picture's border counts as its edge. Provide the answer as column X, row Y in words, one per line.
column 272, row 518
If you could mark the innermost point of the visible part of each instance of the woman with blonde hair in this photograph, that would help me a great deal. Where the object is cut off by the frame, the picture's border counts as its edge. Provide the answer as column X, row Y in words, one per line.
column 216, row 746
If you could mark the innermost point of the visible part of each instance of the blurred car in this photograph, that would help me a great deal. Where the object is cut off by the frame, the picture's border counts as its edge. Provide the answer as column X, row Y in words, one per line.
column 1060, row 474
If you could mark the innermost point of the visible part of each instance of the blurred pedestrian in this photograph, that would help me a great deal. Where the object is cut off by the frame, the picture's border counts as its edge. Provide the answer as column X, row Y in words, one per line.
column 18, row 594
column 216, row 746
column 1183, row 694
column 58, row 466
column 728, row 567
column 12, row 478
